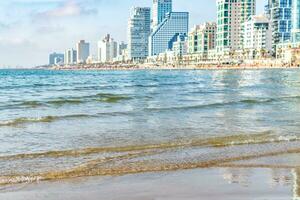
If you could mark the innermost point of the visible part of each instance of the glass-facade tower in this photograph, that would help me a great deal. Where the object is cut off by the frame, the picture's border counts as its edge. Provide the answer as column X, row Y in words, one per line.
column 280, row 14
column 139, row 29
column 296, row 21
column 160, row 9
column 166, row 33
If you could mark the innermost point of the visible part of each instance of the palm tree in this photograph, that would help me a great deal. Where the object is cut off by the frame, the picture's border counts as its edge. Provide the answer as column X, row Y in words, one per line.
column 279, row 52
column 262, row 53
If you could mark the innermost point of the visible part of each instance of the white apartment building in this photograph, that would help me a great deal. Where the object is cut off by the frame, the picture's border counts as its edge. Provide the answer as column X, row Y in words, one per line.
column 70, row 56
column 231, row 15
column 107, row 49
column 258, row 35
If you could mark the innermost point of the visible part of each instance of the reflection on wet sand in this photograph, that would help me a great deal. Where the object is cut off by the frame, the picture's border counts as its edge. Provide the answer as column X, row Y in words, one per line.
column 279, row 178
column 239, row 176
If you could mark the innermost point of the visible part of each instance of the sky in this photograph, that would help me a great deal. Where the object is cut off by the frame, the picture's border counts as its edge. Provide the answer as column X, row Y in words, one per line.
column 31, row 29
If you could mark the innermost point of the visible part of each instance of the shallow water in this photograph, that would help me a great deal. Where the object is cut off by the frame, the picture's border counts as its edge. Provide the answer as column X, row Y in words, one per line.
column 65, row 124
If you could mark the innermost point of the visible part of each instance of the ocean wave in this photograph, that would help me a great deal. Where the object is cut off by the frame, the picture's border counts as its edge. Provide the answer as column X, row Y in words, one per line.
column 142, row 162
column 61, row 102
column 216, row 142
column 111, row 98
column 58, row 102
column 45, row 119
column 30, row 104
column 222, row 104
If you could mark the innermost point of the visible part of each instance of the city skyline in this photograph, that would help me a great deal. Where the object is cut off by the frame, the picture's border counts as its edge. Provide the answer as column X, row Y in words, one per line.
column 55, row 25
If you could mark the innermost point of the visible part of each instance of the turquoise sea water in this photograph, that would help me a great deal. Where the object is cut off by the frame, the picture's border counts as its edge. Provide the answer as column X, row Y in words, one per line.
column 61, row 124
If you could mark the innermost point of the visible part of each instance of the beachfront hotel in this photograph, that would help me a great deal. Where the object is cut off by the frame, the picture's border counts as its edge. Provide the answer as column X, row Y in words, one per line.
column 296, row 21
column 231, row 15
column 139, row 29
column 280, row 14
column 202, row 38
column 289, row 49
column 160, row 9
column 83, row 51
column 167, row 26
column 166, row 33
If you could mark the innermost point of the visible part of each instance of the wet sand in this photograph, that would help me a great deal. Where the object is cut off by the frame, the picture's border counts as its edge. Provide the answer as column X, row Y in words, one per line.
column 213, row 184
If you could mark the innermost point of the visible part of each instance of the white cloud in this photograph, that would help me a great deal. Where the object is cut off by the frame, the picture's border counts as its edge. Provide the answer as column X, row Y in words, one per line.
column 69, row 8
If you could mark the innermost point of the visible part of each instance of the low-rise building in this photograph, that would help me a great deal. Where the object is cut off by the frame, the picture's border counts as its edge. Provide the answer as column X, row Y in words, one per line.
column 180, row 46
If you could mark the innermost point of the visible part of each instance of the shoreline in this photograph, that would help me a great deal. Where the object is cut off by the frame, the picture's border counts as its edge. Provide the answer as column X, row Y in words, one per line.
column 135, row 68
column 205, row 183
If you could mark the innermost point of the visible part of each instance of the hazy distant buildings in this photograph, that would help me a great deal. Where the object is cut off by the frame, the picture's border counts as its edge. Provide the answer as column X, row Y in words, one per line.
column 70, row 57
column 56, row 58
column 83, row 51
column 160, row 9
column 258, row 35
column 138, row 33
column 280, row 14
column 163, row 36
column 107, row 49
column 231, row 15
column 122, row 48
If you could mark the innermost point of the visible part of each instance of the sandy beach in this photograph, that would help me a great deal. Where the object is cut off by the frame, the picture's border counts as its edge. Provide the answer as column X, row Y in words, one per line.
column 212, row 184
column 205, row 67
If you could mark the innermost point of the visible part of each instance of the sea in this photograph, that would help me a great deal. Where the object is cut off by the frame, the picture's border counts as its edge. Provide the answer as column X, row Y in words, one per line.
column 56, row 125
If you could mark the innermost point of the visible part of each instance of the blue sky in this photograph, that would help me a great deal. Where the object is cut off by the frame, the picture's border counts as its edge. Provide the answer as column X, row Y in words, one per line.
column 31, row 29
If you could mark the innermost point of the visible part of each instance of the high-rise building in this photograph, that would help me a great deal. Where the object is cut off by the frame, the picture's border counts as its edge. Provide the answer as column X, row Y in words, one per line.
column 122, row 48
column 280, row 14
column 139, row 29
column 296, row 21
column 107, row 49
column 56, row 58
column 231, row 15
column 166, row 33
column 258, row 35
column 202, row 38
column 83, row 51
column 160, row 9
column 70, row 56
